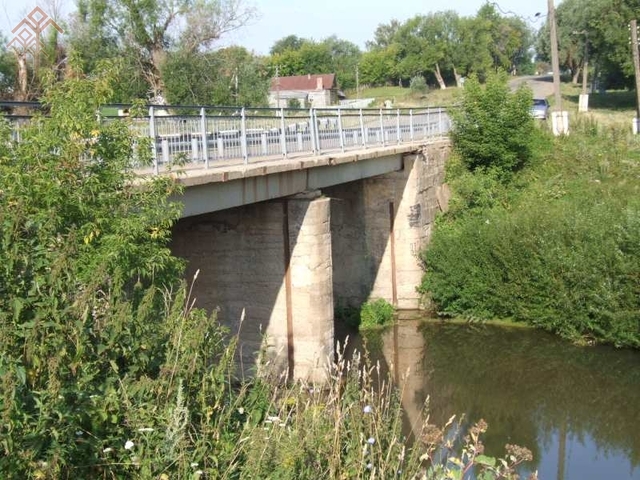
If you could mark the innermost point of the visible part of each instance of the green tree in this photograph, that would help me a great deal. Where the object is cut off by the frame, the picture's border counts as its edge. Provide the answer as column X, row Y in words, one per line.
column 380, row 66
column 147, row 31
column 493, row 129
column 290, row 42
column 229, row 76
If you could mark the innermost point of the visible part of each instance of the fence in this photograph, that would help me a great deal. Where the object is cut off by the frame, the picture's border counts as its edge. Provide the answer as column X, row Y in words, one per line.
column 204, row 136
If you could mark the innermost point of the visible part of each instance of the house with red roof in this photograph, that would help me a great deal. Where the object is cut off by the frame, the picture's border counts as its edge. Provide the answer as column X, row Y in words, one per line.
column 304, row 91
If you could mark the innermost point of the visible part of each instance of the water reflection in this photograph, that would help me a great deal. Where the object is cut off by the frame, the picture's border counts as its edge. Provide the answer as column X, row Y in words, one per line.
column 575, row 408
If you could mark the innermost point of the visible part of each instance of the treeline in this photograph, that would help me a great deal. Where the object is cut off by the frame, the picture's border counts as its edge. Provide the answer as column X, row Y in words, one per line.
column 596, row 31
column 168, row 51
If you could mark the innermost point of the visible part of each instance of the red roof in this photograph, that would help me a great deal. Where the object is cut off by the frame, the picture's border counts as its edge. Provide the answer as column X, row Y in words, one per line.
column 304, row 82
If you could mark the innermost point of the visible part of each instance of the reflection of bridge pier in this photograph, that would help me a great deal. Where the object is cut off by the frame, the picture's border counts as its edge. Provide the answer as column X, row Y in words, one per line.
column 403, row 350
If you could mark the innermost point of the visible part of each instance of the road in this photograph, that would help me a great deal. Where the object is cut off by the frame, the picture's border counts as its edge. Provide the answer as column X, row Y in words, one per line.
column 542, row 85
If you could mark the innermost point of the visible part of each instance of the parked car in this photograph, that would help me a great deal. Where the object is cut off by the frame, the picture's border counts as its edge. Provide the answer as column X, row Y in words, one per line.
column 540, row 108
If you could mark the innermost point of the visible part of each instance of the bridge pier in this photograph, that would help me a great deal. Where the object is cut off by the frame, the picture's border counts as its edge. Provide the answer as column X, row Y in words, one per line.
column 272, row 261
column 380, row 225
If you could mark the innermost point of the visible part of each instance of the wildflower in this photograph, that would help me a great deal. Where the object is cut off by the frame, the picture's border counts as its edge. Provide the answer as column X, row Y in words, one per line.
column 241, row 411
column 197, row 473
column 369, row 466
column 367, row 409
column 107, row 450
column 79, row 433
column 371, row 441
column 128, row 445
column 194, row 464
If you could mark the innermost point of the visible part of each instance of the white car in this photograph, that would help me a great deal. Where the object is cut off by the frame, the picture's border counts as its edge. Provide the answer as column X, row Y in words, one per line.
column 540, row 108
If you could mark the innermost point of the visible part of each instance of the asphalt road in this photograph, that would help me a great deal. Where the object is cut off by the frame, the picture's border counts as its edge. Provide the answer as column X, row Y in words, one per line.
column 542, row 85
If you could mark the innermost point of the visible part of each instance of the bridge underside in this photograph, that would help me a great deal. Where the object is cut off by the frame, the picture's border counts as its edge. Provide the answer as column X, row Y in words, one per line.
column 345, row 236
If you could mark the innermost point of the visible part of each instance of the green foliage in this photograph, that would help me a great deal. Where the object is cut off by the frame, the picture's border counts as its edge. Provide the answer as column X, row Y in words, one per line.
column 209, row 78
column 493, row 129
column 418, row 85
column 559, row 253
column 375, row 313
column 300, row 56
column 348, row 315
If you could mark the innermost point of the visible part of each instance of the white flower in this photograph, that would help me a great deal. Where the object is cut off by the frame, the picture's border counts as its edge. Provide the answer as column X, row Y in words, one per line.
column 369, row 466
column 79, row 433
column 371, row 441
column 145, row 429
column 241, row 411
column 128, row 445
column 367, row 409
column 107, row 450
column 194, row 464
column 197, row 473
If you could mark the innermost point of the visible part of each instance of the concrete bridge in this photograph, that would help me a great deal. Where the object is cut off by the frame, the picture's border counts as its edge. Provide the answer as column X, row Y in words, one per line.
column 278, row 244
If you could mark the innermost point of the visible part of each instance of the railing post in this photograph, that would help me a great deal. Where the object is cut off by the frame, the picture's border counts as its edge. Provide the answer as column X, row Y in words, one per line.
column 382, row 139
column 340, row 130
column 427, row 127
column 152, row 135
column 411, row 124
column 205, row 142
column 313, row 129
column 398, row 134
column 362, row 132
column 243, row 136
column 439, row 120
column 283, row 134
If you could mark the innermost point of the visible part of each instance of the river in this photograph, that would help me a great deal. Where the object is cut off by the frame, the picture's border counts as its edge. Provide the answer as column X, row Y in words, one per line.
column 576, row 408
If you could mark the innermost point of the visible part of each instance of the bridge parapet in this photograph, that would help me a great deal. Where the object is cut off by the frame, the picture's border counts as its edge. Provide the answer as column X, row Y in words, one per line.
column 205, row 137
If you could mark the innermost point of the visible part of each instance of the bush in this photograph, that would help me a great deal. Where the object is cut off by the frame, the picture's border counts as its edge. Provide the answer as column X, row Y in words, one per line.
column 376, row 313
column 418, row 85
column 493, row 128
column 559, row 251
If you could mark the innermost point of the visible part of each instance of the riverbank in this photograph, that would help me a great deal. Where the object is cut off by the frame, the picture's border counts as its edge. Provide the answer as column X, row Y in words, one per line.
column 554, row 244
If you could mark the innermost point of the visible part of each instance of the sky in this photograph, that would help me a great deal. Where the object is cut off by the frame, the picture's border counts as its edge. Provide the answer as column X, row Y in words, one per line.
column 353, row 20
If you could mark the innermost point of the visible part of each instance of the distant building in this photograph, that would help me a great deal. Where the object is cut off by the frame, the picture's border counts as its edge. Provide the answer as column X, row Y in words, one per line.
column 303, row 90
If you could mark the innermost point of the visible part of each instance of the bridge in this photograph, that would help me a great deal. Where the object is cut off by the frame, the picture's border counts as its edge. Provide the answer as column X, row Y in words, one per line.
column 289, row 214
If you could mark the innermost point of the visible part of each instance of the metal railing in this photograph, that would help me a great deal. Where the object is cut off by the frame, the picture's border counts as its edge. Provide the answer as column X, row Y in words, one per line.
column 207, row 136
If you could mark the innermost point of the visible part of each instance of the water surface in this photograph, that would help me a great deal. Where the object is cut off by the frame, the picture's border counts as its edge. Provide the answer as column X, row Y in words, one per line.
column 576, row 408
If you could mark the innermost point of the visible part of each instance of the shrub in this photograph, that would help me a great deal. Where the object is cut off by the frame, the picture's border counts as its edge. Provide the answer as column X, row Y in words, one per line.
column 376, row 313
column 418, row 85
column 561, row 253
column 493, row 128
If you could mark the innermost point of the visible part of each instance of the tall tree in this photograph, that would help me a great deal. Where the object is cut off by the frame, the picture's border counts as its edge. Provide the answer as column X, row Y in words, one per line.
column 148, row 30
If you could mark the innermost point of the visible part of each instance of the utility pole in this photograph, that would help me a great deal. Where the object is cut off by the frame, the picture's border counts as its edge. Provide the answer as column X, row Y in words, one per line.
column 636, row 64
column 560, row 119
column 277, row 86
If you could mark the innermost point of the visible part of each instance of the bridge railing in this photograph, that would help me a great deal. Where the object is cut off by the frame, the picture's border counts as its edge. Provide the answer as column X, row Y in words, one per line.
column 205, row 136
